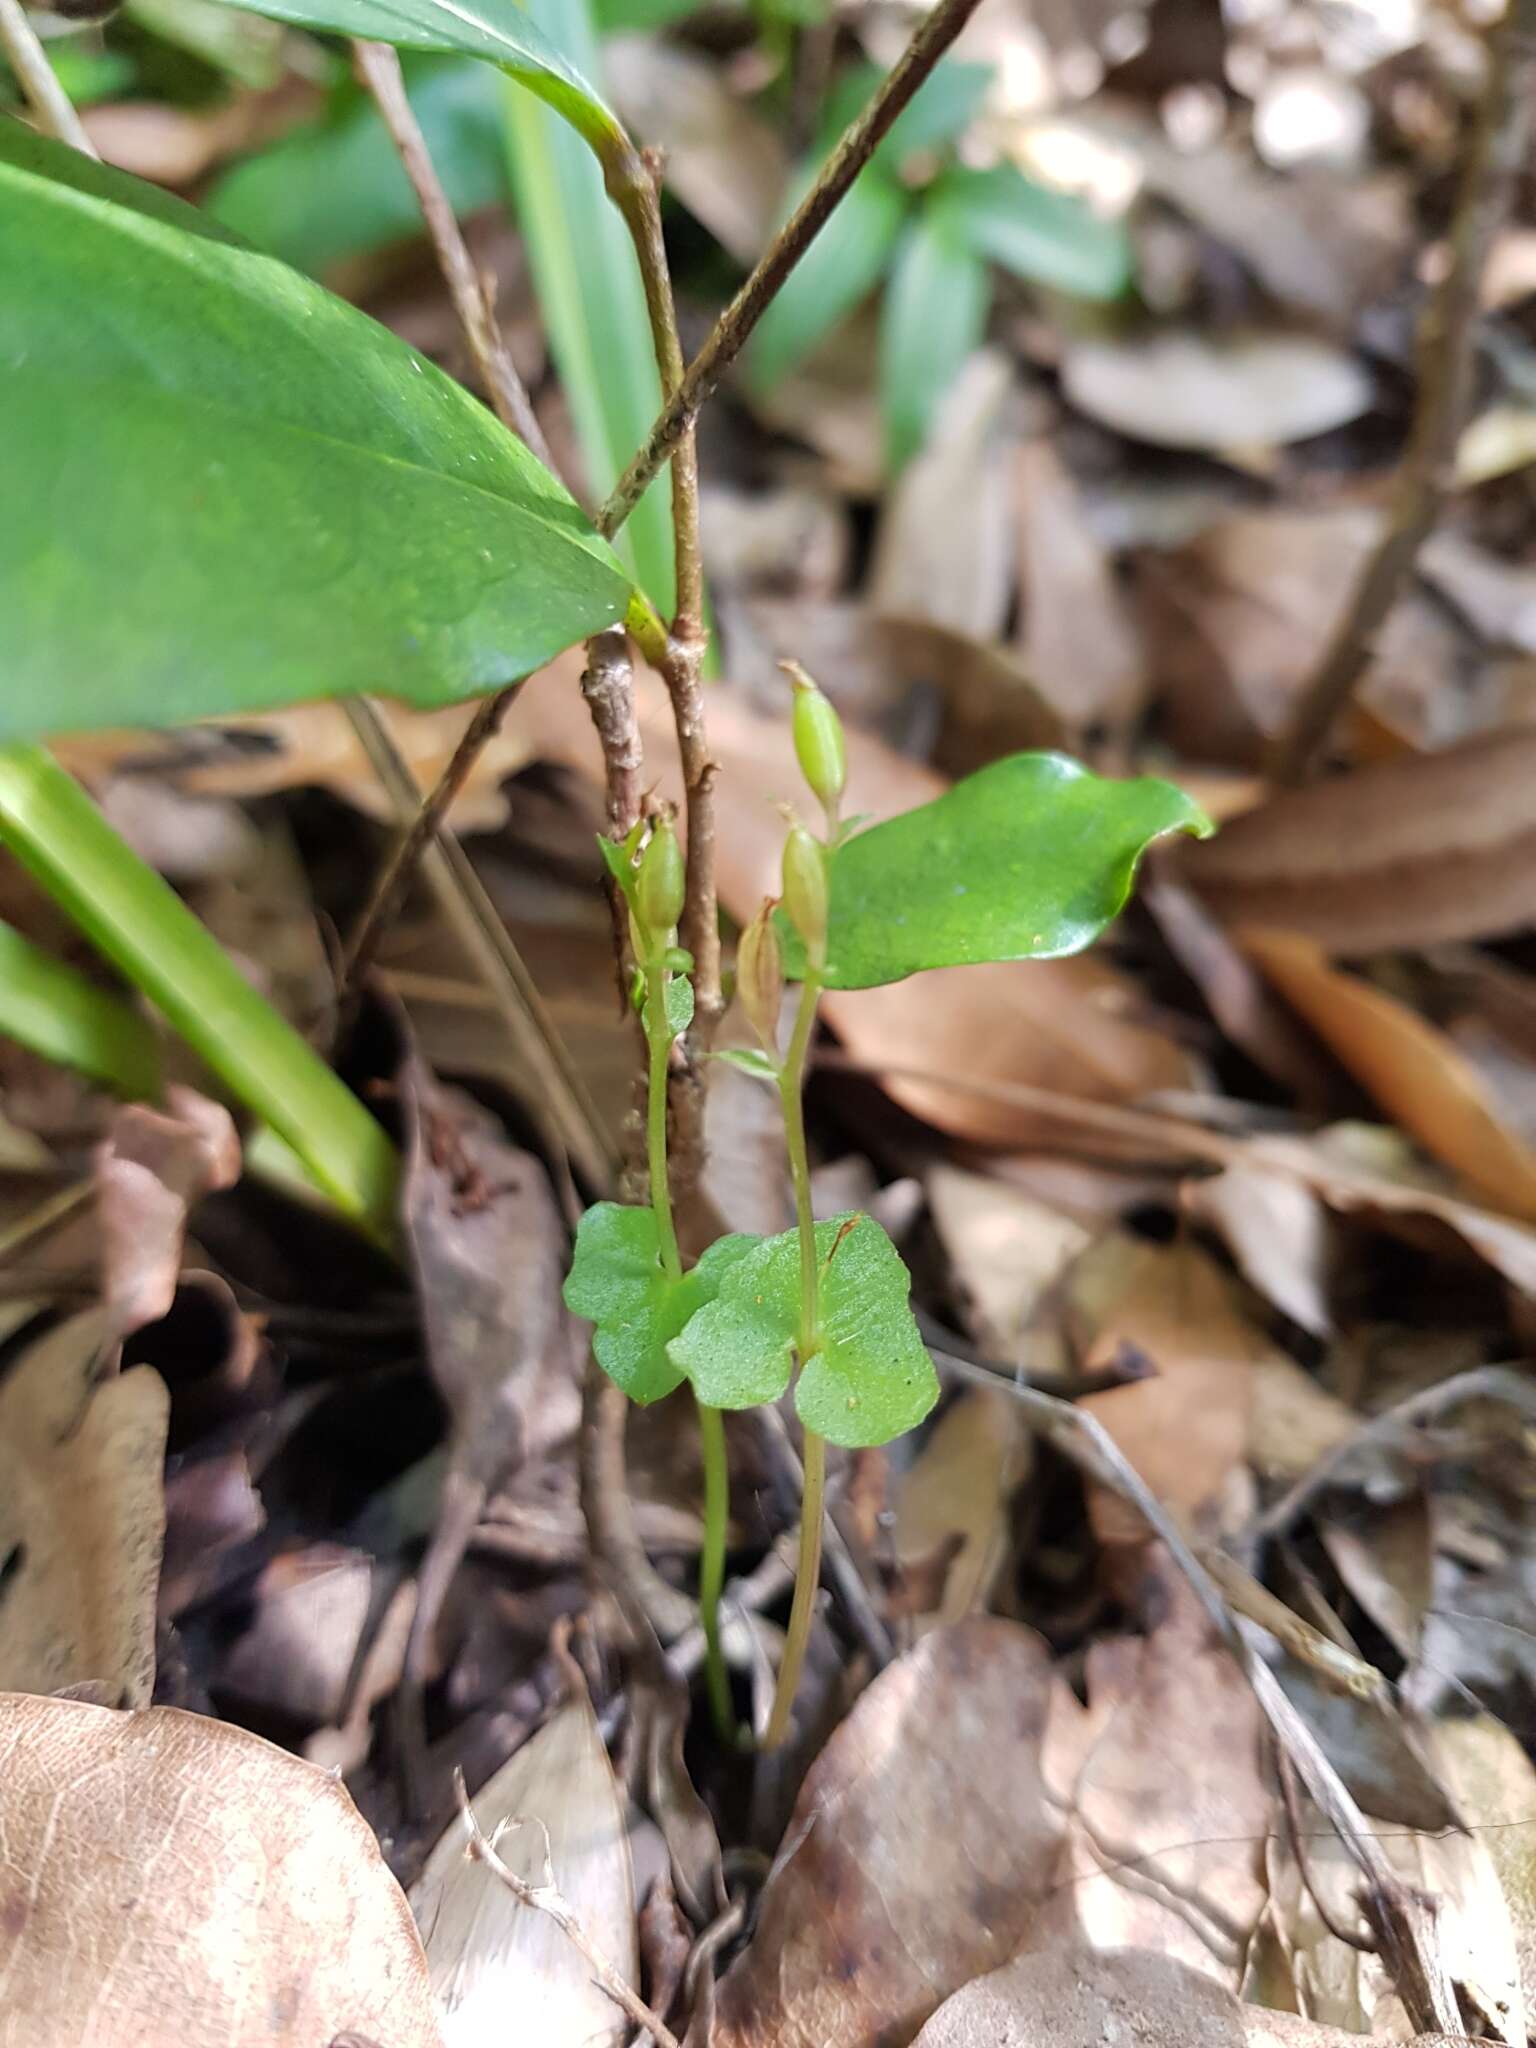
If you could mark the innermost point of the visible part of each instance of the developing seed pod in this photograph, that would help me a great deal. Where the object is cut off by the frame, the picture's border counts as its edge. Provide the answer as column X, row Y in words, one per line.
column 805, row 891
column 818, row 741
column 661, row 883
column 760, row 975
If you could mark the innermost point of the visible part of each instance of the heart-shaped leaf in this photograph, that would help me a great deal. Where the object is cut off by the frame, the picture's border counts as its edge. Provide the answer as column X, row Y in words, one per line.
column 227, row 490
column 617, row 1282
column 872, row 1377
column 1028, row 859
column 498, row 30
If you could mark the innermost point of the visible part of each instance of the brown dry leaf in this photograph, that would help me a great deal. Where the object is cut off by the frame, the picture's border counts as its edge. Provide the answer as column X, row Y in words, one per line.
column 726, row 164
column 953, row 1502
column 1178, row 388
column 1079, row 646
column 1165, row 1779
column 1277, row 1231
column 82, row 1514
column 1293, row 1421
column 1413, row 1070
column 150, row 1170
column 312, row 1612
column 168, row 1877
column 1440, row 846
column 1073, row 1998
column 918, row 1851
column 1494, row 1785
column 1186, row 1426
column 493, row 1962
column 1385, row 1556
column 1006, row 1251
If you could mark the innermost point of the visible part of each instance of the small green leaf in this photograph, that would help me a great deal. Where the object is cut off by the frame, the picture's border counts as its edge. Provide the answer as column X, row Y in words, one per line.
column 679, row 1004
column 498, row 30
column 747, row 1060
column 841, row 267
column 335, row 188
column 1028, row 859
column 227, row 490
column 619, row 859
column 1044, row 236
column 934, row 313
column 872, row 1377
column 616, row 1281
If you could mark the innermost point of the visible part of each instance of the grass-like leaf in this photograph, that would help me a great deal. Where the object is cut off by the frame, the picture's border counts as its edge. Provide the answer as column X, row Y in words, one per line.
column 49, row 1008
column 934, row 313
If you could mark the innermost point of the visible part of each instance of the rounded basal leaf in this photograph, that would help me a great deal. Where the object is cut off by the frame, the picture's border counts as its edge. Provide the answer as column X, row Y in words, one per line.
column 1027, row 860
column 616, row 1281
column 870, row 1380
column 227, row 490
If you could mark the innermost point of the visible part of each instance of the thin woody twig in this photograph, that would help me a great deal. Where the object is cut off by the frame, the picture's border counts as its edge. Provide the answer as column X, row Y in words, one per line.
column 50, row 104
column 378, row 70
column 548, row 1898
column 1495, row 154
column 934, row 35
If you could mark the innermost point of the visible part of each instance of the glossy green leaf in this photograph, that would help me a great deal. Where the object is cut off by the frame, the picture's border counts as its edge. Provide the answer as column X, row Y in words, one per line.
column 498, row 30
column 138, row 922
column 1044, row 236
column 842, row 266
column 227, row 490
column 1027, row 859
column 335, row 188
column 617, row 1283
column 48, row 1007
column 934, row 314
column 872, row 1377
column 591, row 299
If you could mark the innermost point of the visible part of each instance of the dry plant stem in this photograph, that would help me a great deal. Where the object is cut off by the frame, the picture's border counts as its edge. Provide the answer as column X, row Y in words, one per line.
column 49, row 103
column 934, row 35
column 378, row 70
column 548, row 1898
column 1495, row 154
column 1401, row 1919
column 807, row 1343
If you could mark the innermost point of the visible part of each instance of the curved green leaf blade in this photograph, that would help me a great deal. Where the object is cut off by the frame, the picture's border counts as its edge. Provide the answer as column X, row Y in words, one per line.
column 841, row 267
column 227, row 490
column 872, row 1378
column 616, row 1281
column 497, row 30
column 1044, row 236
column 335, row 188
column 52, row 1010
column 1028, row 859
column 934, row 313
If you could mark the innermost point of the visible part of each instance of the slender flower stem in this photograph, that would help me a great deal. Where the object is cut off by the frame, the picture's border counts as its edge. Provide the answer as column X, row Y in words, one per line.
column 808, row 1342
column 659, row 1039
column 717, row 1499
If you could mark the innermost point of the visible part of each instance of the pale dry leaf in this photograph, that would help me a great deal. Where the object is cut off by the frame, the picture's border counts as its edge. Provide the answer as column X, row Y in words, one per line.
column 1293, row 1421
column 491, row 1957
column 1079, row 646
column 1385, row 1556
column 1185, row 1427
column 312, row 1609
column 1413, row 1070
column 168, row 1877
column 1006, row 1250
column 1494, row 1784
column 151, row 1168
column 917, row 1853
column 954, row 1501
column 82, row 1515
column 1181, row 389
column 1277, row 1231
column 1435, row 847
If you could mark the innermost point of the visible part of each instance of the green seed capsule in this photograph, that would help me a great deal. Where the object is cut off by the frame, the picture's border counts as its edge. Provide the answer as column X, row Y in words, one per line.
column 818, row 741
column 805, row 891
column 661, row 884
column 760, row 976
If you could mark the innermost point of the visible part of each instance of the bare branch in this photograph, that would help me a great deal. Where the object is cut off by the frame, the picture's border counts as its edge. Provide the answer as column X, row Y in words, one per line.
column 934, row 36
column 50, row 104
column 378, row 70
column 1495, row 153
column 548, row 1898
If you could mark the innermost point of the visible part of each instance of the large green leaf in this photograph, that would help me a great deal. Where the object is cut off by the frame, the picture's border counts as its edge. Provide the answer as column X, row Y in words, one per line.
column 1026, row 860
column 870, row 1378
column 335, row 188
column 227, row 490
column 934, row 313
column 1044, row 236
column 498, row 30
column 592, row 301
column 842, row 266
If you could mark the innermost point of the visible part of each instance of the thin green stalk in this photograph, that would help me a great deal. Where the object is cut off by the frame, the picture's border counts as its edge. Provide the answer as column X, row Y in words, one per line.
column 717, row 1496
column 134, row 917
column 813, row 1490
column 659, row 1038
